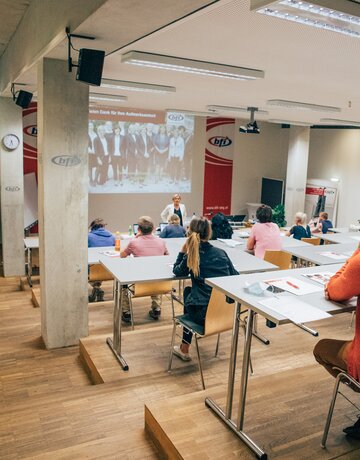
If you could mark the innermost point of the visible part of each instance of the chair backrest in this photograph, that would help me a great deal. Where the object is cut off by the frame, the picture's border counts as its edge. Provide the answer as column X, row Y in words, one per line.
column 315, row 241
column 280, row 258
column 219, row 314
column 98, row 272
column 147, row 289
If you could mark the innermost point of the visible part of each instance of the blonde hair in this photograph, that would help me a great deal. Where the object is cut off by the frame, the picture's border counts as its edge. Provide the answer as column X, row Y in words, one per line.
column 174, row 219
column 200, row 230
column 301, row 218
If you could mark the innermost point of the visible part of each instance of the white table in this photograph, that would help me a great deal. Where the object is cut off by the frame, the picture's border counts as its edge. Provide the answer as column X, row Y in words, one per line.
column 30, row 244
column 313, row 254
column 132, row 270
column 349, row 237
column 233, row 287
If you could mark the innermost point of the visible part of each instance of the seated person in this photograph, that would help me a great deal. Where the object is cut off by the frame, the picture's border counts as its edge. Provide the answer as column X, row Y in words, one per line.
column 324, row 224
column 220, row 227
column 98, row 237
column 300, row 229
column 144, row 244
column 173, row 229
column 264, row 234
column 342, row 353
column 201, row 260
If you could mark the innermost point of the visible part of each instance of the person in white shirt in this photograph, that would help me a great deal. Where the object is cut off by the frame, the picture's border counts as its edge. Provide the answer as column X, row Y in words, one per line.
column 175, row 208
column 101, row 146
column 117, row 155
column 176, row 156
column 91, row 151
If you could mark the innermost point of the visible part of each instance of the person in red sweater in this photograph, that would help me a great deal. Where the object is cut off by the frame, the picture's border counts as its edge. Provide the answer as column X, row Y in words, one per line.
column 341, row 353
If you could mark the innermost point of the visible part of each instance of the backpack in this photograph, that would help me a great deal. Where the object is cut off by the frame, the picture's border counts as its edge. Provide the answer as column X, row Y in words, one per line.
column 221, row 227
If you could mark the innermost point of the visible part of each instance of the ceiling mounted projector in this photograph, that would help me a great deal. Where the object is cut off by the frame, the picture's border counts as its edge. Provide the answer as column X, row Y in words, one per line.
column 252, row 126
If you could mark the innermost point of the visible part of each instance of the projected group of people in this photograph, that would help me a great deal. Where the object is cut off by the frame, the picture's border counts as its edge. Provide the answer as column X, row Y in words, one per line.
column 135, row 157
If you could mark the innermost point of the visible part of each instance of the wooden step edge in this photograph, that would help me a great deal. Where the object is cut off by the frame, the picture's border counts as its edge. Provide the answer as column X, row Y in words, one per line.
column 158, row 436
column 89, row 365
column 35, row 297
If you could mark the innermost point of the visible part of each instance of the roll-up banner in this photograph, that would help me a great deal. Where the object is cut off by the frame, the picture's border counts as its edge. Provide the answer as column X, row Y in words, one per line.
column 219, row 151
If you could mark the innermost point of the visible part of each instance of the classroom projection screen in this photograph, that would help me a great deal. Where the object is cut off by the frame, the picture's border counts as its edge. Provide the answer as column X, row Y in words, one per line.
column 139, row 151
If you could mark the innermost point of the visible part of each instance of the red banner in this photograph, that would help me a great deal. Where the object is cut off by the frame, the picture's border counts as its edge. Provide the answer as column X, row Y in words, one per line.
column 219, row 152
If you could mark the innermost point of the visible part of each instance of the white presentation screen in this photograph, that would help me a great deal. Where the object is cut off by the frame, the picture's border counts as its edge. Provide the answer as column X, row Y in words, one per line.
column 139, row 151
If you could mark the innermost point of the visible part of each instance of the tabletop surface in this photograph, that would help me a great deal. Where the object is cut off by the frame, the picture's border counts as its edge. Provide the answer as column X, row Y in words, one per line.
column 233, row 287
column 313, row 254
column 348, row 237
column 31, row 242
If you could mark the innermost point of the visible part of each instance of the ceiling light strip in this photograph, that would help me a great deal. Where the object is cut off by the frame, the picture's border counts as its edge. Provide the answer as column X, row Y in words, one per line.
column 177, row 64
column 106, row 97
column 302, row 105
column 136, row 86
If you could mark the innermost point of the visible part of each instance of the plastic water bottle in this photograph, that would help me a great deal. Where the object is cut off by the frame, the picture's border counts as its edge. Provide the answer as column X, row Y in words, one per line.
column 117, row 241
column 130, row 230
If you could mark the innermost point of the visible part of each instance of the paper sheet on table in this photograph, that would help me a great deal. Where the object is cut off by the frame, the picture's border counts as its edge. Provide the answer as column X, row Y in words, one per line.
column 294, row 285
column 320, row 277
column 230, row 243
column 242, row 234
column 334, row 255
column 294, row 309
column 111, row 253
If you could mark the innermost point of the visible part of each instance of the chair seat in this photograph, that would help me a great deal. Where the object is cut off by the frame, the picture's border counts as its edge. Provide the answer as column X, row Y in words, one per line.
column 187, row 322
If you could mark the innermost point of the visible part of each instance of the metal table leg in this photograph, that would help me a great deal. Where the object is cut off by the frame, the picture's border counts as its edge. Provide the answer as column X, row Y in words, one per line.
column 29, row 268
column 226, row 417
column 115, row 344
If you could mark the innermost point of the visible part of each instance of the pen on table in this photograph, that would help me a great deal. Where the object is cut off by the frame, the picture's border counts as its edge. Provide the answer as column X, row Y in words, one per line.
column 292, row 285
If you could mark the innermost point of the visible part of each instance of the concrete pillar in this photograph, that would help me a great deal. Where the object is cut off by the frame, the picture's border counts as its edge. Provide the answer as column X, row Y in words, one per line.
column 12, row 190
column 296, row 175
column 63, row 203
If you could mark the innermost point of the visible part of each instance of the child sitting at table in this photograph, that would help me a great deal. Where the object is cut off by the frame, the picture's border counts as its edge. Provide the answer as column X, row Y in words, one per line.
column 300, row 229
column 324, row 224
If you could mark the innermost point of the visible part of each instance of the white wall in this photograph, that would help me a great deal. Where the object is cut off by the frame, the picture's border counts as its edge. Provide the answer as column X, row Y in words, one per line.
column 257, row 156
column 336, row 153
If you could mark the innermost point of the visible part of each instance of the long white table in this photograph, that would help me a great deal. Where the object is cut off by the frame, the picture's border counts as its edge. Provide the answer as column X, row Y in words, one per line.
column 233, row 287
column 349, row 237
column 314, row 254
column 132, row 270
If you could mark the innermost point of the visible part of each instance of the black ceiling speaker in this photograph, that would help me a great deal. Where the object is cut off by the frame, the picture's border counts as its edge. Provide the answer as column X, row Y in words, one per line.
column 90, row 66
column 23, row 99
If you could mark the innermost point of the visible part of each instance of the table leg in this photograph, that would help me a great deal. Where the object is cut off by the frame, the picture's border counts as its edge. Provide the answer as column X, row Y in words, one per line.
column 29, row 273
column 115, row 344
column 225, row 417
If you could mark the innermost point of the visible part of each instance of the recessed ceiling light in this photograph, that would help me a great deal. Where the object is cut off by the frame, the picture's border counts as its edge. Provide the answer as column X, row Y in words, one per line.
column 340, row 16
column 335, row 121
column 136, row 86
column 302, row 105
column 177, row 64
column 289, row 122
column 191, row 112
column 106, row 97
column 225, row 108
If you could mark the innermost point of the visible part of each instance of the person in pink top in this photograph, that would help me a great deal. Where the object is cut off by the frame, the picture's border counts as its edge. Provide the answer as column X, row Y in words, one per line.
column 264, row 234
column 144, row 244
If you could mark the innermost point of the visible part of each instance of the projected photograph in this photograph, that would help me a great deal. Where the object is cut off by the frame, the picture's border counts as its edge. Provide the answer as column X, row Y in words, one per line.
column 139, row 151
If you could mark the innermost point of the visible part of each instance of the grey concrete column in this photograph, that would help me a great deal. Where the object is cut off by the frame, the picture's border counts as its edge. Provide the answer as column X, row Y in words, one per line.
column 63, row 203
column 296, row 174
column 12, row 190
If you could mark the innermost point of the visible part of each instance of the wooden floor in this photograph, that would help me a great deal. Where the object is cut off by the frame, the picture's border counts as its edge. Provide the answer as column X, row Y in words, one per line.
column 50, row 409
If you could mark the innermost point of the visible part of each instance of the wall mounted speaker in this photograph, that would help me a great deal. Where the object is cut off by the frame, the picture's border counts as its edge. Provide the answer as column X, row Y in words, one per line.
column 23, row 99
column 90, row 66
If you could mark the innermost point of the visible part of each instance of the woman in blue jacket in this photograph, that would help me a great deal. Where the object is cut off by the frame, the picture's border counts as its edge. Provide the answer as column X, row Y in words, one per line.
column 201, row 260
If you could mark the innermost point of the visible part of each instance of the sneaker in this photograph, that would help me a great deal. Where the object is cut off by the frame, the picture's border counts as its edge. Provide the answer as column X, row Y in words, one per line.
column 353, row 428
column 155, row 314
column 180, row 354
column 100, row 295
column 126, row 317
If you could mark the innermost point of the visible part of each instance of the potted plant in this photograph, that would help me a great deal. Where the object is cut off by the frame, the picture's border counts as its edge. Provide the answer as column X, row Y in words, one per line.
column 279, row 215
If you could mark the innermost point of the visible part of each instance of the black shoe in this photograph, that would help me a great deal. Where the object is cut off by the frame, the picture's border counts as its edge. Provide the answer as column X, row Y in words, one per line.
column 92, row 296
column 155, row 314
column 126, row 317
column 354, row 429
column 100, row 295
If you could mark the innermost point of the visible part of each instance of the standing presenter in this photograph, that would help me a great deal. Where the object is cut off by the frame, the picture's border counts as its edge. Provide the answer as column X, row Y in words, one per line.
column 175, row 208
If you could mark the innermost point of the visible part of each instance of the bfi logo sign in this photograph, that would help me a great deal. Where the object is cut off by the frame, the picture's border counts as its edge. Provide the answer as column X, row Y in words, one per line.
column 66, row 160
column 220, row 141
